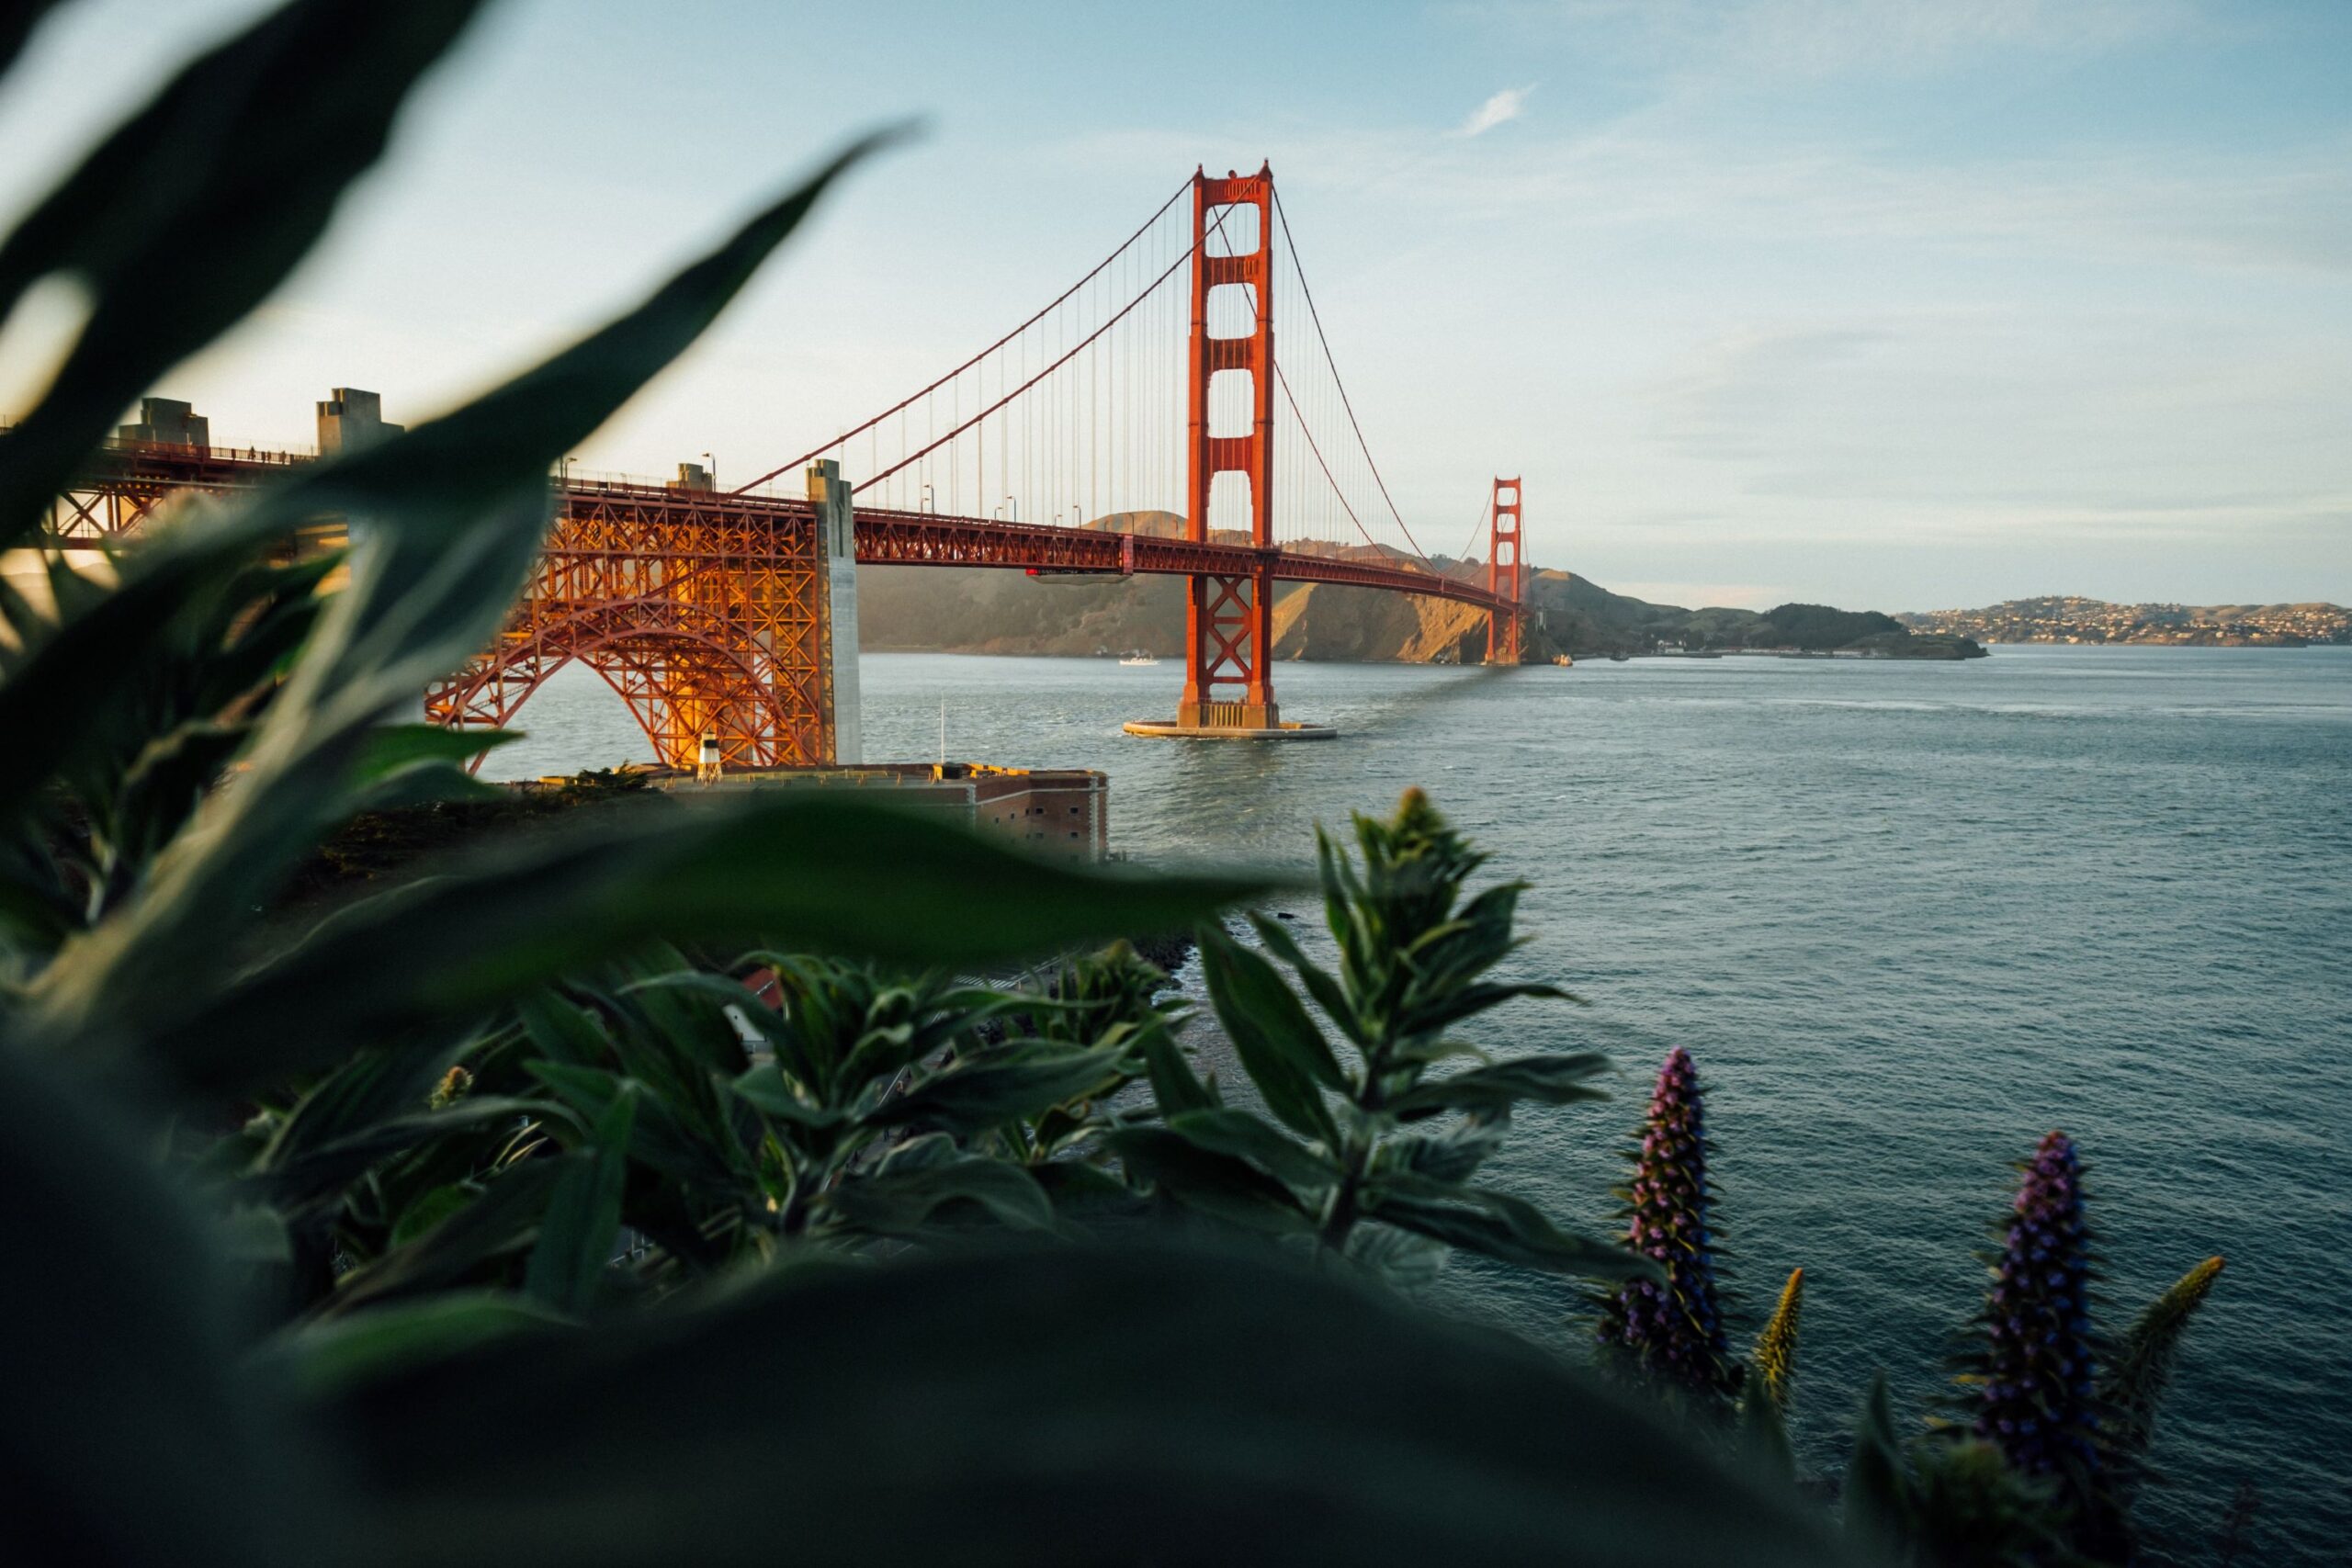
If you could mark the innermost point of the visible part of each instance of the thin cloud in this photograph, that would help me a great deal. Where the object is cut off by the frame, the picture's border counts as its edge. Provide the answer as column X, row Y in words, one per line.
column 1501, row 109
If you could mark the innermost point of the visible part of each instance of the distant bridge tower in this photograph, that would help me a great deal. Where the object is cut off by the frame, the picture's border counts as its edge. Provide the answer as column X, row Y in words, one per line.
column 1506, row 576
column 1229, row 621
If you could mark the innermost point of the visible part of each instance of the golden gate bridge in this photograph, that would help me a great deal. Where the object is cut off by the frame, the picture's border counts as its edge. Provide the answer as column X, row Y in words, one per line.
column 1139, row 424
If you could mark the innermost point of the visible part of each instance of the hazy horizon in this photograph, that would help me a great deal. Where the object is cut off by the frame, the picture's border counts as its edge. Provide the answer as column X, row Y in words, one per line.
column 1870, row 302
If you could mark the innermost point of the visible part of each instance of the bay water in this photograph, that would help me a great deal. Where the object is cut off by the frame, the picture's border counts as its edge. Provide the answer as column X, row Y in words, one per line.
column 1908, row 917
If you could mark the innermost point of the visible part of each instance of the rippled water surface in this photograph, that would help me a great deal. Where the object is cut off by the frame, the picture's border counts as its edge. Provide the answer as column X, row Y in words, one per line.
column 1908, row 917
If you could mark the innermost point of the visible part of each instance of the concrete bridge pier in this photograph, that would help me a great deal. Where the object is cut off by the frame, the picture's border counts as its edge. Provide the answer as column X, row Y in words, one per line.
column 837, row 553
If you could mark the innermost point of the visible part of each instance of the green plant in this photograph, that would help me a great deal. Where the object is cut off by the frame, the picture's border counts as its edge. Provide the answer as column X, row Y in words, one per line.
column 1372, row 1160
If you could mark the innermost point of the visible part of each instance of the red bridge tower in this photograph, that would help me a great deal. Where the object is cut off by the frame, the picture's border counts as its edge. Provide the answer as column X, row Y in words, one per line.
column 1229, row 621
column 1506, row 579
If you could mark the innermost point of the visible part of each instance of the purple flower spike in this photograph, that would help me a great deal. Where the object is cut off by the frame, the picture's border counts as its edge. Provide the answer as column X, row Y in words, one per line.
column 1674, row 1331
column 2038, row 1399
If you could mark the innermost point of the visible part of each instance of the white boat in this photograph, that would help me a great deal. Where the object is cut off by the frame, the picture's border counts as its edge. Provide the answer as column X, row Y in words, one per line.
column 1138, row 657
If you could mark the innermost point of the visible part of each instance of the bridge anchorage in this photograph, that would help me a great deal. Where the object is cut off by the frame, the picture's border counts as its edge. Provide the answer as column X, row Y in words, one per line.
column 728, row 620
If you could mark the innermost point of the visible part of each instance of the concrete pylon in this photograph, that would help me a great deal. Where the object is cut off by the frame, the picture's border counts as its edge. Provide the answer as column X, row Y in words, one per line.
column 837, row 550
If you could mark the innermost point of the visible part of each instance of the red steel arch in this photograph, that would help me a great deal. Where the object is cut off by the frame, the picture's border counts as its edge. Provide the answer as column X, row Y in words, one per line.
column 706, row 612
column 679, row 685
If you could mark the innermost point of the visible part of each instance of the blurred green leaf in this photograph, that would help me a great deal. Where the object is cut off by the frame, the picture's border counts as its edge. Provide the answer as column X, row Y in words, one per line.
column 1221, row 1185
column 561, row 1027
column 1075, row 1406
column 61, row 690
column 902, row 1201
column 191, row 212
column 425, row 783
column 1244, row 1135
column 17, row 21
column 1279, row 1045
column 132, row 1437
column 391, row 747
column 583, row 1214
column 969, row 1098
column 1877, row 1503
column 1496, row 1225
column 1551, row 1079
column 334, row 1357
column 166, row 783
column 826, row 873
column 1764, row 1439
column 254, row 1233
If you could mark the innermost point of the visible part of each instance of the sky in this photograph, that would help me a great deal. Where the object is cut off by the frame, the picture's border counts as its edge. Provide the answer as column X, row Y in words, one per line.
column 1904, row 304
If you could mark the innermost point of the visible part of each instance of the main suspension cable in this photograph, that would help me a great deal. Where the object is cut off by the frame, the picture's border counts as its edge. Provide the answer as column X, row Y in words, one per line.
column 1024, row 385
column 1483, row 508
column 1316, row 317
column 877, row 419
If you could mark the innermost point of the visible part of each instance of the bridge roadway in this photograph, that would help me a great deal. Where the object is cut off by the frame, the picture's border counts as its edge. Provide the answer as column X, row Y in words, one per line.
column 131, row 479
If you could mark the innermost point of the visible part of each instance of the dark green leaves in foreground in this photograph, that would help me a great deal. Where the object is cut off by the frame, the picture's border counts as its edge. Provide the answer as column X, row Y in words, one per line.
column 132, row 1435
column 447, row 521
column 1284, row 1053
column 1078, row 1406
column 1373, row 1155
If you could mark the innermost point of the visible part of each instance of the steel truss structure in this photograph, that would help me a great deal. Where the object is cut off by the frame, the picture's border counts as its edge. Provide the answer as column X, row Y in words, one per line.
column 706, row 612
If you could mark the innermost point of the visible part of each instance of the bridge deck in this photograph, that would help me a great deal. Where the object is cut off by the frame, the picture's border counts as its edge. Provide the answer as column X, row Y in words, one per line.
column 143, row 475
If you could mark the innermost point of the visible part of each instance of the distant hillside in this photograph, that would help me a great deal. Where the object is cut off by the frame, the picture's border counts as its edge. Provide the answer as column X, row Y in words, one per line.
column 977, row 610
column 2069, row 618
column 1585, row 618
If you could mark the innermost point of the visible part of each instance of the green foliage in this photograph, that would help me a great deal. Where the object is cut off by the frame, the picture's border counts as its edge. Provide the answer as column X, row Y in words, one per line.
column 1080, row 1404
column 1973, row 1508
column 1371, row 1158
column 1820, row 627
column 1940, row 1501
